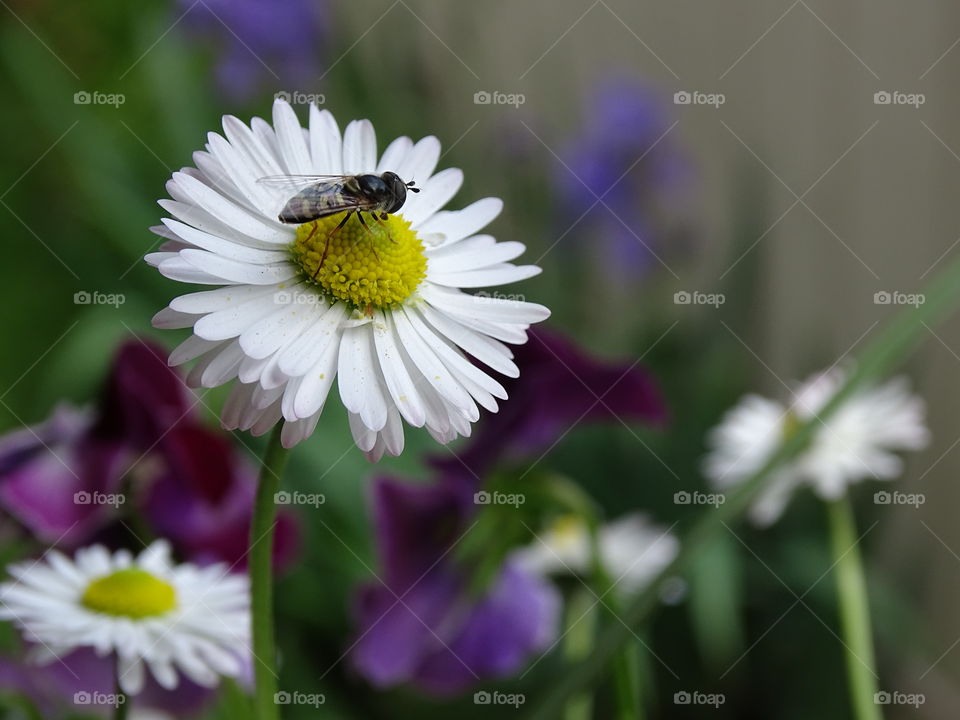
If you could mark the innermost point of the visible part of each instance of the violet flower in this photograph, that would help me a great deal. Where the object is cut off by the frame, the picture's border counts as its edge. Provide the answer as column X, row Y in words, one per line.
column 419, row 624
column 561, row 388
column 54, row 689
column 142, row 443
column 49, row 469
column 625, row 156
column 259, row 43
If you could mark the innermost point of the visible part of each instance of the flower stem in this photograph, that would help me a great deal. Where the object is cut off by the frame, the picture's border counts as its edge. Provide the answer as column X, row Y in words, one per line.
column 581, row 622
column 626, row 666
column 120, row 699
column 854, row 610
column 261, row 578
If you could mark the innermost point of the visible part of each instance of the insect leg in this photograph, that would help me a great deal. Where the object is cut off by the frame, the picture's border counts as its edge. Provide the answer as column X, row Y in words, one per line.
column 369, row 232
column 380, row 218
column 364, row 223
column 313, row 230
column 326, row 246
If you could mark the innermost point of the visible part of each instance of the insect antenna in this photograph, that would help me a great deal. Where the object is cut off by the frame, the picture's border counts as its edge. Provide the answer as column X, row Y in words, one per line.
column 410, row 186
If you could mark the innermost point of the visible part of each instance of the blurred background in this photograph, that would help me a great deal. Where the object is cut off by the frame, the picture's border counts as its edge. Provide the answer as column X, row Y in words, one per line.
column 790, row 160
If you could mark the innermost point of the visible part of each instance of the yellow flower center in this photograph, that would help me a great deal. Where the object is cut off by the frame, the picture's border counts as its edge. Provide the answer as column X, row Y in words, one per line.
column 568, row 530
column 374, row 267
column 132, row 593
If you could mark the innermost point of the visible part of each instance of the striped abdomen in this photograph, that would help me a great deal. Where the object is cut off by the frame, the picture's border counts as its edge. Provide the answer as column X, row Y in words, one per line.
column 317, row 201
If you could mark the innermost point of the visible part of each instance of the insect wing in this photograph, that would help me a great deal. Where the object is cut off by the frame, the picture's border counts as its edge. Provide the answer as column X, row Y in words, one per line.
column 298, row 182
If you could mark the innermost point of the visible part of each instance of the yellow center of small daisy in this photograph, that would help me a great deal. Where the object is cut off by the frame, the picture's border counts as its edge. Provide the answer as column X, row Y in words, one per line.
column 374, row 267
column 568, row 530
column 132, row 593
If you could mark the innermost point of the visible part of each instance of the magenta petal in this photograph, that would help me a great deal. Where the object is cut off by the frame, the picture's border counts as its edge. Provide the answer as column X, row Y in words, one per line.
column 52, row 687
column 203, row 501
column 143, row 397
column 49, row 485
column 561, row 387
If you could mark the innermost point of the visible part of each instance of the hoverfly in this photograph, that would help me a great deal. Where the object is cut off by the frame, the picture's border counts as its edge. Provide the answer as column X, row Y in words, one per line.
column 325, row 195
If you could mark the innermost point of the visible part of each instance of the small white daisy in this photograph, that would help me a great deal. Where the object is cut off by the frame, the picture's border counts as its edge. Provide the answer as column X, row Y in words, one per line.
column 145, row 610
column 633, row 550
column 379, row 309
column 858, row 441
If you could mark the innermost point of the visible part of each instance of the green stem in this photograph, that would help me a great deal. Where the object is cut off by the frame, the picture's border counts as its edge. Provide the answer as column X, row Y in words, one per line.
column 120, row 709
column 626, row 680
column 581, row 626
column 261, row 578
column 894, row 343
column 854, row 610
column 626, row 665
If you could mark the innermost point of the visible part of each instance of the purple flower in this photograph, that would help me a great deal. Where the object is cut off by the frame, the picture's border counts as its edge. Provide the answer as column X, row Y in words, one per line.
column 50, row 472
column 625, row 156
column 420, row 624
column 562, row 386
column 259, row 43
column 54, row 688
column 144, row 443
column 201, row 500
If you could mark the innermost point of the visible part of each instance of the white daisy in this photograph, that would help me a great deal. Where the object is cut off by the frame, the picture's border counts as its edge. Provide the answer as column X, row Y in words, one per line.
column 858, row 441
column 145, row 610
column 633, row 550
column 379, row 310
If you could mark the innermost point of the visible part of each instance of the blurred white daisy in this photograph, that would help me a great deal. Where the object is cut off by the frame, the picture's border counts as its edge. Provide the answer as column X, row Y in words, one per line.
column 857, row 442
column 632, row 549
column 379, row 309
column 146, row 611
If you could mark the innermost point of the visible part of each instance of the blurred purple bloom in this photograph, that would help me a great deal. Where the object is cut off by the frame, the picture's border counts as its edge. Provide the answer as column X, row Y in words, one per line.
column 53, row 688
column 144, row 441
column 46, row 469
column 420, row 625
column 560, row 388
column 202, row 499
column 624, row 156
column 260, row 43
